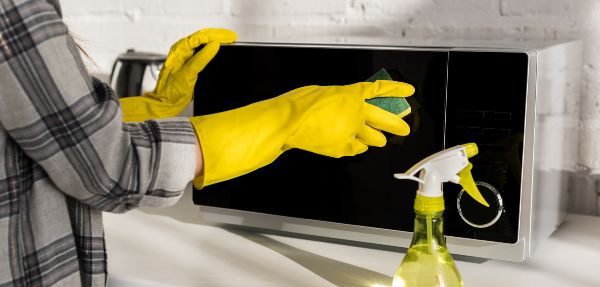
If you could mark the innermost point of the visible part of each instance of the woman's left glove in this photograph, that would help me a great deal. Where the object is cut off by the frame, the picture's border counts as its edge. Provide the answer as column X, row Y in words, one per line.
column 175, row 87
column 334, row 121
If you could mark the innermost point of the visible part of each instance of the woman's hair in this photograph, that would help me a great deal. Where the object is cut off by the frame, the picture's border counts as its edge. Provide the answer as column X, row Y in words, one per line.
column 77, row 40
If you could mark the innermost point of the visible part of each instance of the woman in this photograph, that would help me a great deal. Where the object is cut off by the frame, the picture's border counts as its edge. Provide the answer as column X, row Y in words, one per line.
column 67, row 154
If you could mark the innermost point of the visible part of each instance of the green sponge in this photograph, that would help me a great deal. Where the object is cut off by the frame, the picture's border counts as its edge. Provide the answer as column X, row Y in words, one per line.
column 398, row 106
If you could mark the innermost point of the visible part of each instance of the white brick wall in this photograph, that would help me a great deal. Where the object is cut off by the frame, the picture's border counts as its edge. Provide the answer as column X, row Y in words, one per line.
column 109, row 27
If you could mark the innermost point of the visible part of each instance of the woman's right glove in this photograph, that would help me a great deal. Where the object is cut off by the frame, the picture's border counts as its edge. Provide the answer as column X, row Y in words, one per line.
column 177, row 79
column 333, row 121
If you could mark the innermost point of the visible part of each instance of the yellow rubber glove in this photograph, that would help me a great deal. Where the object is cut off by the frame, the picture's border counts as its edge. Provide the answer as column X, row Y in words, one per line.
column 175, row 87
column 333, row 121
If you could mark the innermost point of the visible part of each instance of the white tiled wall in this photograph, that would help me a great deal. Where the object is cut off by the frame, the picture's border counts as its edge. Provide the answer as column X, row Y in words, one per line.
column 109, row 27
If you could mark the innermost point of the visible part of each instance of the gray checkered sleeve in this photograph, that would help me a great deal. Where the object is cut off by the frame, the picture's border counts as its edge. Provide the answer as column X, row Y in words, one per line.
column 66, row 155
column 72, row 125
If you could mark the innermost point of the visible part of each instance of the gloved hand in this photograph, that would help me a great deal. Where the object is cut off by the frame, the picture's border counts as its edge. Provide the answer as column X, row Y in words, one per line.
column 333, row 121
column 175, row 87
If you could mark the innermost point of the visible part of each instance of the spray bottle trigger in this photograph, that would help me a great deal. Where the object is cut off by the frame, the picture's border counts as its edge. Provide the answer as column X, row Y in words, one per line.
column 468, row 184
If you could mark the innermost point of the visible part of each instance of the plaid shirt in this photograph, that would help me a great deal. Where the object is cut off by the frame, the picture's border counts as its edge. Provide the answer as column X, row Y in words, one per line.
column 66, row 156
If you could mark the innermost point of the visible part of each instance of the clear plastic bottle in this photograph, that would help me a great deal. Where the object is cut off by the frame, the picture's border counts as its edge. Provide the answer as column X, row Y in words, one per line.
column 427, row 262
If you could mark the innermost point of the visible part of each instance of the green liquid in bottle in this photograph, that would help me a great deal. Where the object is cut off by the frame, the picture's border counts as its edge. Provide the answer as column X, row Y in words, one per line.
column 427, row 262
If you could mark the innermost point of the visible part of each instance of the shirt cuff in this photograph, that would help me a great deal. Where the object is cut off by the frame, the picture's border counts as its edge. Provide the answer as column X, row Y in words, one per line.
column 175, row 161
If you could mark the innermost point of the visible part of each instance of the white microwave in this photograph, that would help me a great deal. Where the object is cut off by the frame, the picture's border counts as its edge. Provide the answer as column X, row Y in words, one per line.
column 516, row 100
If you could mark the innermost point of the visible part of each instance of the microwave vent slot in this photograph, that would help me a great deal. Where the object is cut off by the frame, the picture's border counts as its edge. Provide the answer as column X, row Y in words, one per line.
column 488, row 129
column 502, row 116
column 495, row 132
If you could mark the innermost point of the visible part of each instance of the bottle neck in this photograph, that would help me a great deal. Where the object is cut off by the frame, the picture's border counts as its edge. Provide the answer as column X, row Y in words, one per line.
column 429, row 229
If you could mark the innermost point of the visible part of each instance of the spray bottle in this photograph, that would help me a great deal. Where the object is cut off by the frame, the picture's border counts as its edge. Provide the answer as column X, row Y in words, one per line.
column 427, row 261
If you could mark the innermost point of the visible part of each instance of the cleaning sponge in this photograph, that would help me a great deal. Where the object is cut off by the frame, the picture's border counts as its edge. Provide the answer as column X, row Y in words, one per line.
column 398, row 106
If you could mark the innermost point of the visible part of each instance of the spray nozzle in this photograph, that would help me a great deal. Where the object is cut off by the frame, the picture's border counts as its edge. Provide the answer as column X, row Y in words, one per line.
column 471, row 149
column 449, row 165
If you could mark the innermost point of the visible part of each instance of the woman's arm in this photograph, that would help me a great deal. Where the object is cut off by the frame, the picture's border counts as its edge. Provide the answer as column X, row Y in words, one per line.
column 71, row 125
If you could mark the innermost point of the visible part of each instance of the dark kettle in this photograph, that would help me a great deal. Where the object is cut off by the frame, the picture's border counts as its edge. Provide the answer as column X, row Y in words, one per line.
column 134, row 73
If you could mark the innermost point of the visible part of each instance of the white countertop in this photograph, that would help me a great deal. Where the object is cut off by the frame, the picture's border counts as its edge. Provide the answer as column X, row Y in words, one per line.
column 165, row 247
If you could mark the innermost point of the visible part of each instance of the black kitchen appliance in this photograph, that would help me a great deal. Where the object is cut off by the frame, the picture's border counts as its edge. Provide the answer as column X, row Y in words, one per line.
column 135, row 72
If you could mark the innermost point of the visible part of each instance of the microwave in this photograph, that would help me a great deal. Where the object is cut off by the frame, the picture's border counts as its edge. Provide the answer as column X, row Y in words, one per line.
column 518, row 101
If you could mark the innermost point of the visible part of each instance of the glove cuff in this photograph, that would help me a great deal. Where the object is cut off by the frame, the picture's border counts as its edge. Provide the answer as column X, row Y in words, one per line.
column 199, row 182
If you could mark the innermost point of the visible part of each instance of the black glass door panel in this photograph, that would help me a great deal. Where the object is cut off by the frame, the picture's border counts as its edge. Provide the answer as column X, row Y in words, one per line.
column 359, row 190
